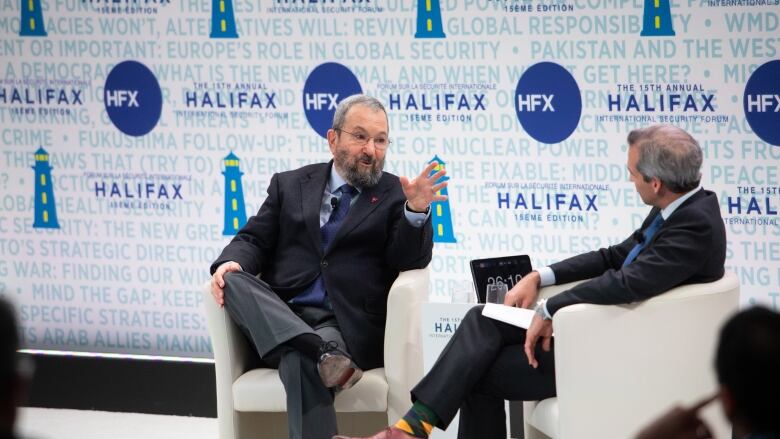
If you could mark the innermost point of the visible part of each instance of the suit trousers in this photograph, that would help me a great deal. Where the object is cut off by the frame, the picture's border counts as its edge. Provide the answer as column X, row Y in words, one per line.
column 268, row 322
column 484, row 364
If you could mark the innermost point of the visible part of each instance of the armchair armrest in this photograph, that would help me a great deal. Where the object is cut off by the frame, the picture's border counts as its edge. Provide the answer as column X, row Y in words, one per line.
column 228, row 343
column 403, row 340
column 231, row 356
column 549, row 291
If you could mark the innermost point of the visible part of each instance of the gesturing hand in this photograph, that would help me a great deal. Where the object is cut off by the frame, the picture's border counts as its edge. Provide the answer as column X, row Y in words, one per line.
column 422, row 190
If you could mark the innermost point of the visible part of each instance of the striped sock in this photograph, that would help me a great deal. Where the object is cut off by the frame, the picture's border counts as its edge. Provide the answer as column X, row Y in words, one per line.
column 418, row 421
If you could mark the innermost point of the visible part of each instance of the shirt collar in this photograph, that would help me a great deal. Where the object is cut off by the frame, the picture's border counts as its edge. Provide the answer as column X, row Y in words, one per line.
column 669, row 210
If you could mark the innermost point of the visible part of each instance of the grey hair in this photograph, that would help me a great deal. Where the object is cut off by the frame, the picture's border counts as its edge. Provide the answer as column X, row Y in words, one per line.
column 670, row 154
column 360, row 99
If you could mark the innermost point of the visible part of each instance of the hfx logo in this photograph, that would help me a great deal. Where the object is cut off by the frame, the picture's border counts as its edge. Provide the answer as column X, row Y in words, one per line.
column 319, row 101
column 133, row 98
column 119, row 97
column 327, row 85
column 762, row 102
column 548, row 102
column 532, row 102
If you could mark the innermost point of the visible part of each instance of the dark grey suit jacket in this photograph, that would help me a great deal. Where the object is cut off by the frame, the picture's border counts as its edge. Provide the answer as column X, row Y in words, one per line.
column 375, row 241
column 690, row 247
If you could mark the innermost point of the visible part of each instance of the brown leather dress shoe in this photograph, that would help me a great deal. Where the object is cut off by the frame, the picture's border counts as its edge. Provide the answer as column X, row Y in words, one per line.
column 387, row 433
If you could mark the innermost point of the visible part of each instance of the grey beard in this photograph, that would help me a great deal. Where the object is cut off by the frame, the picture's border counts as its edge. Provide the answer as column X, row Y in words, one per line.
column 353, row 175
column 363, row 180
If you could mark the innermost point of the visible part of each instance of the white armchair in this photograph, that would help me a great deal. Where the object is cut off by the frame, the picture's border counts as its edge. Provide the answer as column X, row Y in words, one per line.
column 252, row 403
column 619, row 367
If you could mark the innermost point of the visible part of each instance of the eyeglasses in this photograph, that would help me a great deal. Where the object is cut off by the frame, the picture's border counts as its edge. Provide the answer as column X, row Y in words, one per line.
column 361, row 139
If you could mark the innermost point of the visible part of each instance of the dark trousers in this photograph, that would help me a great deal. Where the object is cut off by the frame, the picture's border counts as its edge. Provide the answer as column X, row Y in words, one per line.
column 484, row 364
column 268, row 322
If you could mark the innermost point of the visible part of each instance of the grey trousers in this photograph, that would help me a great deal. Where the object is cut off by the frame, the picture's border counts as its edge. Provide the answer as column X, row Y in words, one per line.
column 268, row 322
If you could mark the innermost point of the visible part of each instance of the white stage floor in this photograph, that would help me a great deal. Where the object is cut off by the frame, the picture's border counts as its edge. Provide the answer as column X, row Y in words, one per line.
column 37, row 423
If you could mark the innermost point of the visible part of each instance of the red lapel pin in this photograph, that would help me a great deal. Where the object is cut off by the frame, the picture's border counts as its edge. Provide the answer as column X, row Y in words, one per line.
column 374, row 199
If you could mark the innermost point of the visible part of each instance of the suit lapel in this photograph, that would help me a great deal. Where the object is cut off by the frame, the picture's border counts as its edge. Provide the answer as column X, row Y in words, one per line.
column 312, row 188
column 369, row 200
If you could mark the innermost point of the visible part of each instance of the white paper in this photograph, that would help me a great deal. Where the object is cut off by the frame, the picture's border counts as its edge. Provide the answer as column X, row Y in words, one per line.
column 508, row 314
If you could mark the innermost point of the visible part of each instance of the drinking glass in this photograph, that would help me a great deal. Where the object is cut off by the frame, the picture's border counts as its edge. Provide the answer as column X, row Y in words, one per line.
column 496, row 293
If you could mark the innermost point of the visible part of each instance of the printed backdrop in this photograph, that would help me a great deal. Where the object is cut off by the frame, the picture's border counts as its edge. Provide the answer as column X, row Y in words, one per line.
column 139, row 135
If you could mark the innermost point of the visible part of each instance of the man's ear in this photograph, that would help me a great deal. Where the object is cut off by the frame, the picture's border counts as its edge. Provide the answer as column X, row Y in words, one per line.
column 332, row 140
column 658, row 187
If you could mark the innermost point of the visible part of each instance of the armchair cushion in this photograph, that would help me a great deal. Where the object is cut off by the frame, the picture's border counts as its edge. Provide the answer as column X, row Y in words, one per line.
column 260, row 390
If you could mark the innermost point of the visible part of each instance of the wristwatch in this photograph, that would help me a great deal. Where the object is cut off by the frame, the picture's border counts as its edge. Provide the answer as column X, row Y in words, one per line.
column 541, row 311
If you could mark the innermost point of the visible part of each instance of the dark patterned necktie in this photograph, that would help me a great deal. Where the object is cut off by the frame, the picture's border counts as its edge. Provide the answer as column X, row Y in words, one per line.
column 328, row 231
column 315, row 294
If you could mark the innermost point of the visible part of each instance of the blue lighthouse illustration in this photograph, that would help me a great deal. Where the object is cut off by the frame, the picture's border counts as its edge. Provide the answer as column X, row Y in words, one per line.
column 32, row 19
column 235, row 211
column 45, row 210
column 223, row 22
column 441, row 215
column 657, row 21
column 429, row 20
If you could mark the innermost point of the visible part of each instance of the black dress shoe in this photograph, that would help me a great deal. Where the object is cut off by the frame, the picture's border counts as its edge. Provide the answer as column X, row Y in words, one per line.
column 336, row 367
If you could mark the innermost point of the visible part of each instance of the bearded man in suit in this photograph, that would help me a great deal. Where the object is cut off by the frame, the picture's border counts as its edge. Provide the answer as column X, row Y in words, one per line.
column 327, row 243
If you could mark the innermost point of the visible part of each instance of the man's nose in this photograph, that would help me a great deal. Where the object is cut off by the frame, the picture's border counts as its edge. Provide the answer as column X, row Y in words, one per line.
column 370, row 146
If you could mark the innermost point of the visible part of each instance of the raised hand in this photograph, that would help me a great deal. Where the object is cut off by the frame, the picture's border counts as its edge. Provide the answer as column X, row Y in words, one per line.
column 422, row 190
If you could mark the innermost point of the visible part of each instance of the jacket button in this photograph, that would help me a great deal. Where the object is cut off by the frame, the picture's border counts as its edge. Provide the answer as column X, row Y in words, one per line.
column 324, row 264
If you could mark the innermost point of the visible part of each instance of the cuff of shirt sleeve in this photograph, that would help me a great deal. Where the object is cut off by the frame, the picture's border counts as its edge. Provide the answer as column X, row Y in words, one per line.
column 546, row 277
column 416, row 219
column 547, row 314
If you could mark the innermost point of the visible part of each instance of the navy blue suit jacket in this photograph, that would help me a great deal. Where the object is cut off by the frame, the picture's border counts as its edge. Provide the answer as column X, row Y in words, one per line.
column 690, row 247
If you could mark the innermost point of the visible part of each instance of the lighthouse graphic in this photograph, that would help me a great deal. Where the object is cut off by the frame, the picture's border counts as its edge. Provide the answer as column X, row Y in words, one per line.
column 223, row 22
column 429, row 20
column 235, row 211
column 45, row 210
column 31, row 24
column 657, row 21
column 441, row 215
